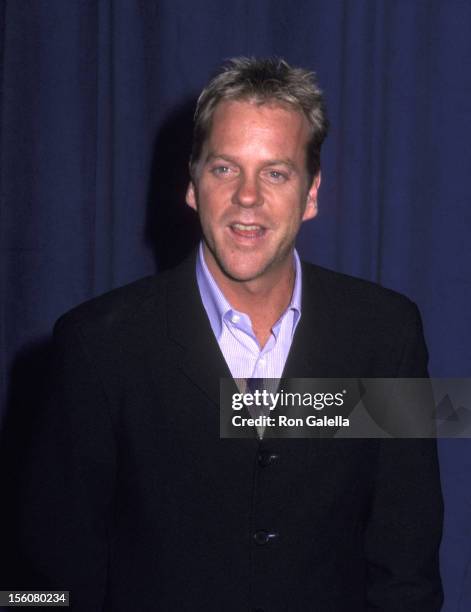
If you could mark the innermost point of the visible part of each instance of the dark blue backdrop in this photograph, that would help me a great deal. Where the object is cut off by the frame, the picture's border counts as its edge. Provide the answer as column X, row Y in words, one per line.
column 96, row 110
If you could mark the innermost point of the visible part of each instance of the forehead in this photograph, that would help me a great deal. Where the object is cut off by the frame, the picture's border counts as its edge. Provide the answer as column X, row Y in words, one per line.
column 248, row 124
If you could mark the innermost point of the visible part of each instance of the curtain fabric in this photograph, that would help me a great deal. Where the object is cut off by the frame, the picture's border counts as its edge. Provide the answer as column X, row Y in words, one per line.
column 96, row 109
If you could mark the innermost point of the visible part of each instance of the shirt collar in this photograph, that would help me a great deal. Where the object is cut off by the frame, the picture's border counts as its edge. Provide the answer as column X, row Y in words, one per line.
column 216, row 305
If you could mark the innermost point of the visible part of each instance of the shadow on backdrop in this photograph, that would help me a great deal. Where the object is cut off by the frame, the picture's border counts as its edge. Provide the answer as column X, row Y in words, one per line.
column 172, row 228
column 172, row 231
column 25, row 400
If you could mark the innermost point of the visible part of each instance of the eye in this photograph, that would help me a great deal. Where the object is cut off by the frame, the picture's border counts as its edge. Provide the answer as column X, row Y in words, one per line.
column 221, row 171
column 276, row 176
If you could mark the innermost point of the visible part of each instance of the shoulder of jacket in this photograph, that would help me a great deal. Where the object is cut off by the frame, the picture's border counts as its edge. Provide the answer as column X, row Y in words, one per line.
column 113, row 308
column 358, row 295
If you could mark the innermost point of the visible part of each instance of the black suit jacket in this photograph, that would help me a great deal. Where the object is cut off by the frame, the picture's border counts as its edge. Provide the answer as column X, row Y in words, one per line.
column 133, row 502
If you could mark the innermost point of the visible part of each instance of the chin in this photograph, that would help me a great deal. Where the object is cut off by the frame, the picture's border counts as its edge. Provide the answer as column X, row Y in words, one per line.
column 244, row 266
column 241, row 272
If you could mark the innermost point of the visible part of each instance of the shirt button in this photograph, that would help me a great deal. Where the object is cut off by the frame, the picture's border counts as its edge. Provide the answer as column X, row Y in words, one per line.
column 235, row 318
column 263, row 537
column 265, row 458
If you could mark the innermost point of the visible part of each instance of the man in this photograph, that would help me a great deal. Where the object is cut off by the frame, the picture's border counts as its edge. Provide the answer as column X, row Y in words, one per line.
column 134, row 502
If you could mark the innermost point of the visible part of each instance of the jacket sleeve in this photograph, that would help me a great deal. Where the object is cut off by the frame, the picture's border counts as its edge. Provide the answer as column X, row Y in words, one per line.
column 404, row 529
column 67, row 493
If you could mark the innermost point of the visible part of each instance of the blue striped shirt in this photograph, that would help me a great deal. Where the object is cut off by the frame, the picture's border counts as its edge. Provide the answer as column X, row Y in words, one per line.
column 234, row 333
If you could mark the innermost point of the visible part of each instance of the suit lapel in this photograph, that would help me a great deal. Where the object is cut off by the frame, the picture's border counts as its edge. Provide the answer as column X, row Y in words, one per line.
column 312, row 353
column 200, row 357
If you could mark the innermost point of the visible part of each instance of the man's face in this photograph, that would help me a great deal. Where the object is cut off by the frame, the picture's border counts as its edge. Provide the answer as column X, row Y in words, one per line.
column 251, row 189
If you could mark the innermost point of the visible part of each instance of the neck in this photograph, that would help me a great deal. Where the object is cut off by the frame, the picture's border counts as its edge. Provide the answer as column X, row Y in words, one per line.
column 263, row 299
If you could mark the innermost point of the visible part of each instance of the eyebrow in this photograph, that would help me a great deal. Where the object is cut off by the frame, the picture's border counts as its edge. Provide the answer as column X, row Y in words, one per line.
column 213, row 156
column 267, row 162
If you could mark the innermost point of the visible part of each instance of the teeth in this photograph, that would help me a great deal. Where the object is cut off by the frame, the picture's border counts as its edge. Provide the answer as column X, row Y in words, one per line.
column 247, row 228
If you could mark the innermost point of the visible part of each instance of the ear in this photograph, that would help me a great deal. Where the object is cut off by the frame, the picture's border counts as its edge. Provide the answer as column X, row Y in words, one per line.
column 191, row 196
column 311, row 204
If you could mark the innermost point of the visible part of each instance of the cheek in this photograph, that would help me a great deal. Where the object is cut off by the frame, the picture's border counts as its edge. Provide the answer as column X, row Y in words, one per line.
column 291, row 209
column 210, row 213
column 217, row 207
column 213, row 198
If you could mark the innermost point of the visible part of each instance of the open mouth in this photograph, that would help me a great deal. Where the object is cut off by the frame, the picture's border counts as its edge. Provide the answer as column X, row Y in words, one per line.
column 248, row 231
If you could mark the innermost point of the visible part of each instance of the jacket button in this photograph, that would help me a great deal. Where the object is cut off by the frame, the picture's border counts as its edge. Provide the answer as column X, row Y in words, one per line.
column 263, row 537
column 266, row 458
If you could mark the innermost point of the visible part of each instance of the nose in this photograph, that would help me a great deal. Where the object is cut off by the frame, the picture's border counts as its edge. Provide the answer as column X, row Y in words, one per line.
column 248, row 192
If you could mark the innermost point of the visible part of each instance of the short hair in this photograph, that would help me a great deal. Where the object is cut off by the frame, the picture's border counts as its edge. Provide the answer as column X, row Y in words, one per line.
column 263, row 81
